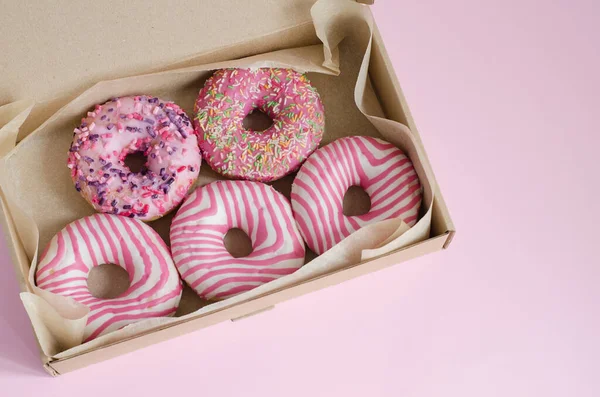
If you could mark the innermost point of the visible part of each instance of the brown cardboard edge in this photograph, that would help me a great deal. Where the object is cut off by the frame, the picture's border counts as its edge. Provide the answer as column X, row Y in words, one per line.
column 451, row 234
column 50, row 370
column 266, row 309
column 249, row 307
column 385, row 85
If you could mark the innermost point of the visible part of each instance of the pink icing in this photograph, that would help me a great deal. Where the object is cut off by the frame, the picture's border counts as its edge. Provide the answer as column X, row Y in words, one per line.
column 155, row 288
column 285, row 95
column 121, row 126
column 205, row 217
column 379, row 167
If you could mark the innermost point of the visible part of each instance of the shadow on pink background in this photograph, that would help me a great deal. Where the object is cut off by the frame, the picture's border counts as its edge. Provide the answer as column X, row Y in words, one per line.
column 505, row 95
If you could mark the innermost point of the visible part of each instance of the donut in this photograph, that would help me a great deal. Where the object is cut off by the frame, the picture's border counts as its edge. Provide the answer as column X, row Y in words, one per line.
column 285, row 95
column 379, row 167
column 158, row 129
column 205, row 217
column 155, row 288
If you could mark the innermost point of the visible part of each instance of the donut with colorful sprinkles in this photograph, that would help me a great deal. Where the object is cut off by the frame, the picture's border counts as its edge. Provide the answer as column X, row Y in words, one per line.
column 161, row 131
column 285, row 95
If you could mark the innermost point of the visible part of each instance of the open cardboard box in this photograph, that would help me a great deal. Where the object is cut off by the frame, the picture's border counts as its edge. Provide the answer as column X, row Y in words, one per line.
column 272, row 26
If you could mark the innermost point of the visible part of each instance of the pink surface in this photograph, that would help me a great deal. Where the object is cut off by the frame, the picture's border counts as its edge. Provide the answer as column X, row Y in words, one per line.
column 504, row 95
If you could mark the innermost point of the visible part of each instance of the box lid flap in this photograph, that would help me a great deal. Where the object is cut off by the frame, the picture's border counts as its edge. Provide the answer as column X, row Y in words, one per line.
column 49, row 51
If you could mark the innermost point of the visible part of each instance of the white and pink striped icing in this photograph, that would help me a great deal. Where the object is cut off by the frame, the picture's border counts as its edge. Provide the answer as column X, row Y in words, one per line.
column 158, row 129
column 380, row 168
column 205, row 217
column 285, row 95
column 155, row 288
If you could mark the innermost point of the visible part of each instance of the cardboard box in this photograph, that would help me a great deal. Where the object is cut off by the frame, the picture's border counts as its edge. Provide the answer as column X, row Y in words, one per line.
column 274, row 25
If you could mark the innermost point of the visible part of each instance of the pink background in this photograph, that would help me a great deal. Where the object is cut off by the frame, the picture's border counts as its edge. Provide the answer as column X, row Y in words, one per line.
column 504, row 94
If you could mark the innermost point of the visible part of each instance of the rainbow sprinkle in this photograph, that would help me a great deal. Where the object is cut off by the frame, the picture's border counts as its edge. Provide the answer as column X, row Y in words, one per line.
column 285, row 95
column 116, row 129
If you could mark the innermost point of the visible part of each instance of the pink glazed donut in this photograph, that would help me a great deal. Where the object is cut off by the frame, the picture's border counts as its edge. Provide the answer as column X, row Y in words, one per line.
column 158, row 129
column 380, row 168
column 285, row 95
column 155, row 288
column 205, row 217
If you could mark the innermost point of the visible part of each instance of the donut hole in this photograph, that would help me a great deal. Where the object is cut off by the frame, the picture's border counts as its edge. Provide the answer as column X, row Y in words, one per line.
column 237, row 243
column 108, row 281
column 135, row 161
column 356, row 201
column 257, row 121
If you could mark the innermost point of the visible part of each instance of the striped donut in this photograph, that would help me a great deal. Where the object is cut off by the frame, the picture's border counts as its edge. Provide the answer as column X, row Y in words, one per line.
column 155, row 288
column 205, row 217
column 380, row 168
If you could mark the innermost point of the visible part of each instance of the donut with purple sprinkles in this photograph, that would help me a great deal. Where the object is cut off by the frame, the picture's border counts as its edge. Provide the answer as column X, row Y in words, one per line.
column 286, row 96
column 159, row 130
